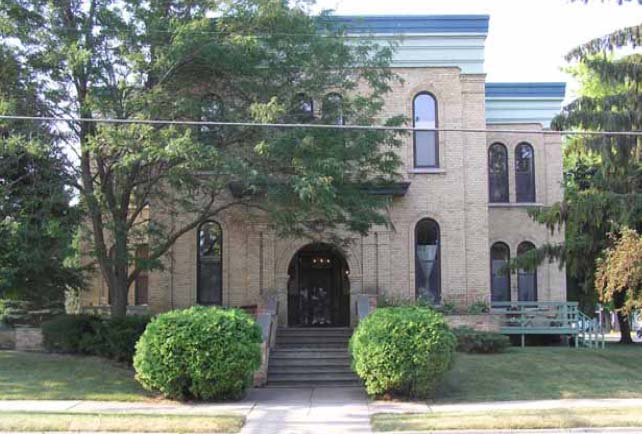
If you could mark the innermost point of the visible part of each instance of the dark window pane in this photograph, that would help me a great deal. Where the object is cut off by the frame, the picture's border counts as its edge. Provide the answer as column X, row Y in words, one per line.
column 524, row 173
column 526, row 279
column 498, row 173
column 303, row 108
column 141, row 284
column 500, row 276
column 427, row 261
column 210, row 276
column 426, row 144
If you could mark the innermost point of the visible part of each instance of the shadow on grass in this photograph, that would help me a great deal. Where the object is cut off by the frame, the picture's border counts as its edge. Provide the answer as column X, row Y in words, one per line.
column 63, row 377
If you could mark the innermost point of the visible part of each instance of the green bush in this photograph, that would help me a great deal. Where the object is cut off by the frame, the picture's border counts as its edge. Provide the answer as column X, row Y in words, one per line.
column 69, row 333
column 205, row 353
column 473, row 341
column 90, row 334
column 402, row 351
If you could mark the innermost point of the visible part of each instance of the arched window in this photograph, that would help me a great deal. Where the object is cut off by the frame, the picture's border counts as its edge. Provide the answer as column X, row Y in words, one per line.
column 426, row 143
column 499, row 272
column 302, row 108
column 524, row 173
column 210, row 264
column 526, row 278
column 332, row 109
column 427, row 261
column 141, row 283
column 497, row 173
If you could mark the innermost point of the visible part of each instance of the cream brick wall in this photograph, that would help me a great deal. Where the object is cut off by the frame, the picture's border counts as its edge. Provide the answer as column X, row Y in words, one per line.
column 255, row 261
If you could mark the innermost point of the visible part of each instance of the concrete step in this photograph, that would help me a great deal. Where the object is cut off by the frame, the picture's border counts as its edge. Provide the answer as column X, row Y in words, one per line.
column 344, row 361
column 305, row 339
column 305, row 370
column 319, row 377
column 307, row 384
column 331, row 346
column 309, row 331
column 308, row 353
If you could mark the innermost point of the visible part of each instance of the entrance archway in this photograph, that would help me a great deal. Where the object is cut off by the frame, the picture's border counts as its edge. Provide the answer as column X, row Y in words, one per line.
column 318, row 287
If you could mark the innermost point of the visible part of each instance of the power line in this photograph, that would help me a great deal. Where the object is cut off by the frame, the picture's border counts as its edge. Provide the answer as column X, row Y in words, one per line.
column 313, row 126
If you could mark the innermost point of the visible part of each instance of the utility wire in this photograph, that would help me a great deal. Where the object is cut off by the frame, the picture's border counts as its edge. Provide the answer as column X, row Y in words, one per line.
column 313, row 126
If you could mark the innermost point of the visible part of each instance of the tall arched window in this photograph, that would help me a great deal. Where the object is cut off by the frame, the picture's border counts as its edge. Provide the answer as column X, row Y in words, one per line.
column 426, row 143
column 499, row 272
column 524, row 173
column 526, row 278
column 332, row 109
column 210, row 263
column 427, row 261
column 497, row 173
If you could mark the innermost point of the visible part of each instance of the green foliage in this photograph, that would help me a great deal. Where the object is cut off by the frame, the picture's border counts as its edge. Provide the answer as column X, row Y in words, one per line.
column 619, row 272
column 203, row 353
column 402, row 351
column 251, row 63
column 22, row 313
column 603, row 174
column 70, row 333
column 92, row 335
column 36, row 220
column 478, row 308
column 473, row 341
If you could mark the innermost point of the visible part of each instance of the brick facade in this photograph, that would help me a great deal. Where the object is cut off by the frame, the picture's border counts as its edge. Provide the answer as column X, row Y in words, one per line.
column 255, row 261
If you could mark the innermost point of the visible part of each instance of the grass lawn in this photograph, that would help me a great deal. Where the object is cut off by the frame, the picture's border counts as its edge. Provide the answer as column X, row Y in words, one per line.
column 545, row 373
column 51, row 376
column 121, row 422
column 513, row 419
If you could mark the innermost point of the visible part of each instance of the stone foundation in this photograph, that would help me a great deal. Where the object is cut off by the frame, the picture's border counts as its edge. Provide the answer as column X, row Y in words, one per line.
column 28, row 339
column 484, row 322
column 7, row 339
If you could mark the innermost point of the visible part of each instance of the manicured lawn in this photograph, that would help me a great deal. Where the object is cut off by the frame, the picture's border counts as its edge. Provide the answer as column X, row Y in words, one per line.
column 51, row 376
column 505, row 420
column 97, row 422
column 545, row 373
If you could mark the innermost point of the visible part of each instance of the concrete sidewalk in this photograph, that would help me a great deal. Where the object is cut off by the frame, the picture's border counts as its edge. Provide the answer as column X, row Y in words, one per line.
column 314, row 410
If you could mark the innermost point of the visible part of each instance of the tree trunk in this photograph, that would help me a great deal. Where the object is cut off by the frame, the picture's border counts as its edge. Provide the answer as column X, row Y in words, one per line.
column 119, row 298
column 622, row 319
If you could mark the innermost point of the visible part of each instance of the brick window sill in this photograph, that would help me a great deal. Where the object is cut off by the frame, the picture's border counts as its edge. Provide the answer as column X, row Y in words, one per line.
column 514, row 204
column 427, row 170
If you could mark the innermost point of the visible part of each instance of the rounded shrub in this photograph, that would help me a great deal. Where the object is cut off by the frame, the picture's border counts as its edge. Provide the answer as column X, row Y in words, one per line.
column 203, row 353
column 402, row 351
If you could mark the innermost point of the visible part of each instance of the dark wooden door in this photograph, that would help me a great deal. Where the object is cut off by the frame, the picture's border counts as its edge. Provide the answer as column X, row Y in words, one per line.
column 320, row 299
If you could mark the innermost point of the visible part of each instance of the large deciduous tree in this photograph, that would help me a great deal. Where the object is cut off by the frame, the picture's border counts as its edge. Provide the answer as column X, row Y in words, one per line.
column 36, row 219
column 603, row 173
column 258, row 61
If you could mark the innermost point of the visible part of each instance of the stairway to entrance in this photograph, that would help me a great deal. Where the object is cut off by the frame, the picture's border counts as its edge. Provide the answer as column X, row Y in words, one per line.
column 305, row 357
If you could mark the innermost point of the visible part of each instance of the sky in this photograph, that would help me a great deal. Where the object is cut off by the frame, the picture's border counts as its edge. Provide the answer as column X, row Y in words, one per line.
column 527, row 39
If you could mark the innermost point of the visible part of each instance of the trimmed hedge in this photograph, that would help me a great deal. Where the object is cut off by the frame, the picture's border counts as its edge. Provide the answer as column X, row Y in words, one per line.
column 402, row 351
column 202, row 353
column 92, row 335
column 473, row 341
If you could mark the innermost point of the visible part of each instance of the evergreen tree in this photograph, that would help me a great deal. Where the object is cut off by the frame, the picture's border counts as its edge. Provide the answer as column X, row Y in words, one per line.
column 36, row 220
column 603, row 173
column 258, row 60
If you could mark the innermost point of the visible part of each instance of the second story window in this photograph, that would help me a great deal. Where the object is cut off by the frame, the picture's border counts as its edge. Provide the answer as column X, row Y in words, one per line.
column 426, row 143
column 302, row 108
column 524, row 173
column 497, row 173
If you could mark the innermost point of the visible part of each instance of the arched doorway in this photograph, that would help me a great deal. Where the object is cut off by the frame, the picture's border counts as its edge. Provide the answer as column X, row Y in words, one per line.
column 318, row 288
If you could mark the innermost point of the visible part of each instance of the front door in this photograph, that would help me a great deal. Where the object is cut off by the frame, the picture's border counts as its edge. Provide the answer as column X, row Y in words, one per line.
column 318, row 293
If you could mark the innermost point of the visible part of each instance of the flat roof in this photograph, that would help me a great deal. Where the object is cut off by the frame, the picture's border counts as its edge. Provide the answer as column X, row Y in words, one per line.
column 399, row 24
column 526, row 90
